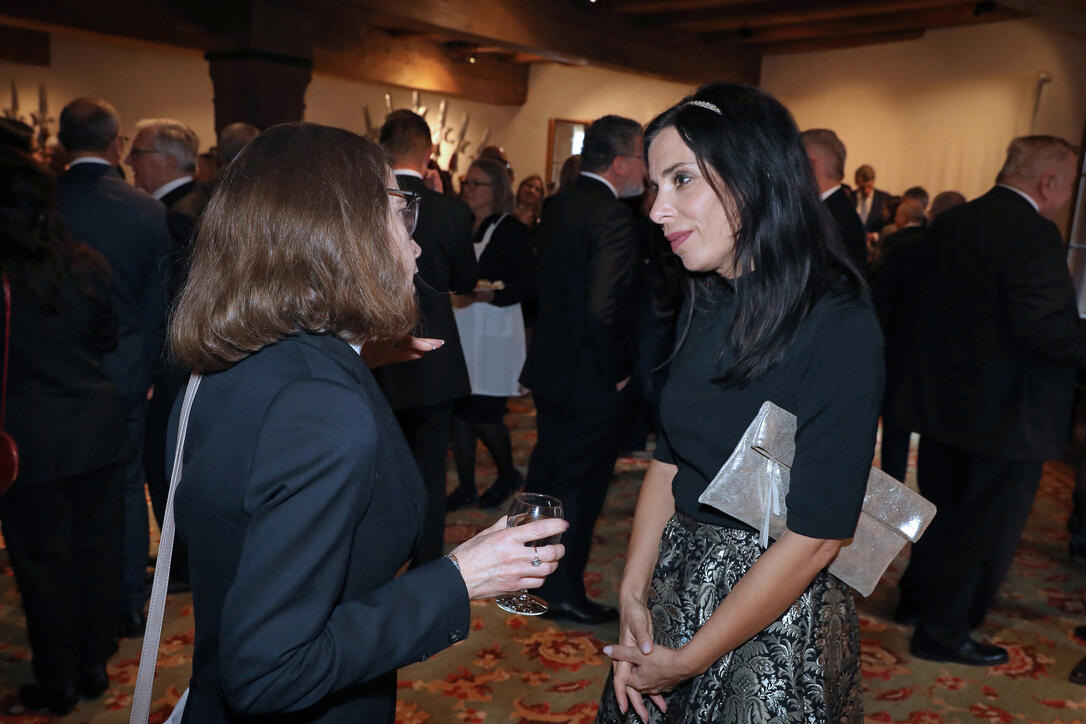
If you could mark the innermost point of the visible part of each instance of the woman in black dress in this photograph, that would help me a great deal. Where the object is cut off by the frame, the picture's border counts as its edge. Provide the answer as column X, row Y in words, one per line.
column 62, row 517
column 491, row 324
column 713, row 628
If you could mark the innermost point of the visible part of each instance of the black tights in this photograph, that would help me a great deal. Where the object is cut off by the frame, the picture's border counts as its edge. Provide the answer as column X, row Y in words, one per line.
column 495, row 437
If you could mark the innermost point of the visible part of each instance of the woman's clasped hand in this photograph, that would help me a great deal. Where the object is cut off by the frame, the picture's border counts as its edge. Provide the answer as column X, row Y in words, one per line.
column 500, row 559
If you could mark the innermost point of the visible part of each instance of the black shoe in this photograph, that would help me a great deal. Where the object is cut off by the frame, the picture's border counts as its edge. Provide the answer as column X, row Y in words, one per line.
column 1080, row 632
column 58, row 699
column 460, row 498
column 1078, row 674
column 970, row 653
column 584, row 611
column 131, row 625
column 93, row 683
column 500, row 491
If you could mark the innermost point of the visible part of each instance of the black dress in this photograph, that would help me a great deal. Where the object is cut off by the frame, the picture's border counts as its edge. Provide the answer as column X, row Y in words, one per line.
column 805, row 665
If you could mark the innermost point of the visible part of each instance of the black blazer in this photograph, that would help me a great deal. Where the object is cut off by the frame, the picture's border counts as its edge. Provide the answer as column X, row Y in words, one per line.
column 894, row 280
column 875, row 220
column 588, row 269
column 129, row 228
column 299, row 503
column 508, row 258
column 184, row 205
column 849, row 226
column 447, row 264
column 997, row 336
column 62, row 408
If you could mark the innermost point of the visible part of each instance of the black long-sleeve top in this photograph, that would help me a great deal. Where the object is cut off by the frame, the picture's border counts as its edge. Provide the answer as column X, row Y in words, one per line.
column 831, row 378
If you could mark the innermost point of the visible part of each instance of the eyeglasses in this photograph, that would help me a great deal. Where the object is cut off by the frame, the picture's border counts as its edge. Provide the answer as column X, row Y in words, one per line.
column 409, row 214
column 470, row 184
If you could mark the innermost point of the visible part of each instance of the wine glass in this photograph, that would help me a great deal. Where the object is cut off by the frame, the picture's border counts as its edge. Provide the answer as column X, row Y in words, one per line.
column 526, row 508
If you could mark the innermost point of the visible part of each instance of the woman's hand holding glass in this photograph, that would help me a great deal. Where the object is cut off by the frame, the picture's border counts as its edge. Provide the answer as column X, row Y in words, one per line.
column 499, row 559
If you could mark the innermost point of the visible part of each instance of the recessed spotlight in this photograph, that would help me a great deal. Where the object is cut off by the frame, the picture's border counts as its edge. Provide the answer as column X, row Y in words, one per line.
column 471, row 58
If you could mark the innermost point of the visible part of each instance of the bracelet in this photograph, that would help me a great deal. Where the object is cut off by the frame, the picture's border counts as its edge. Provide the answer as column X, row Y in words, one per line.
column 452, row 559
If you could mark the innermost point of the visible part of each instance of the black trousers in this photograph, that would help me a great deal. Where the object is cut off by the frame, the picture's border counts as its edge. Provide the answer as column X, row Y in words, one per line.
column 574, row 460
column 167, row 385
column 427, row 432
column 894, row 451
column 64, row 539
column 957, row 567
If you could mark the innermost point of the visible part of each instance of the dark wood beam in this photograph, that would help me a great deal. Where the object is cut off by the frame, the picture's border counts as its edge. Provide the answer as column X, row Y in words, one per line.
column 782, row 12
column 889, row 23
column 847, row 41
column 656, row 6
column 422, row 64
column 339, row 40
column 21, row 45
column 571, row 33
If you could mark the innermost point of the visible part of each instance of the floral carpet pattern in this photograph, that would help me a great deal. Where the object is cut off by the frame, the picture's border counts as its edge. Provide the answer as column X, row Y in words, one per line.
column 524, row 670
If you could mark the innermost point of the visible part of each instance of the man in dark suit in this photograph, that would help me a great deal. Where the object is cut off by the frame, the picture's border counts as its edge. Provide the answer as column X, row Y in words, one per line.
column 129, row 229
column 581, row 355
column 163, row 161
column 422, row 391
column 827, row 156
column 990, row 384
column 870, row 201
column 893, row 288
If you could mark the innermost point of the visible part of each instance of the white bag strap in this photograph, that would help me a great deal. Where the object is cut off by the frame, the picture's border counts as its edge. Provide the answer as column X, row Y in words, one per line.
column 141, row 698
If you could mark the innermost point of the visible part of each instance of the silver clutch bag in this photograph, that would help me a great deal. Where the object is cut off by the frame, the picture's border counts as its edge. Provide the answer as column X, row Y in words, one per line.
column 753, row 484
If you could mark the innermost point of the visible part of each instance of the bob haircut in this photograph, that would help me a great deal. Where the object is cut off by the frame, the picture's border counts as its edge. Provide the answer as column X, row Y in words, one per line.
column 296, row 237
column 500, row 185
column 786, row 246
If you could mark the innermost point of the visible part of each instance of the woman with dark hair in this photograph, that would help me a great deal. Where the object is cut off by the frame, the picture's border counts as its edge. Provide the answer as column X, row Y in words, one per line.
column 300, row 500
column 530, row 194
column 491, row 328
column 713, row 628
column 62, row 517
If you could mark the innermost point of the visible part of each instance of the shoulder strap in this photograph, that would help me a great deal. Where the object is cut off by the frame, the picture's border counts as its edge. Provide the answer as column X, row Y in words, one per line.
column 141, row 699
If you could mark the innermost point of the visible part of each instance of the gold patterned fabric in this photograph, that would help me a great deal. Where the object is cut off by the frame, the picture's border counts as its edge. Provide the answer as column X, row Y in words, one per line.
column 804, row 667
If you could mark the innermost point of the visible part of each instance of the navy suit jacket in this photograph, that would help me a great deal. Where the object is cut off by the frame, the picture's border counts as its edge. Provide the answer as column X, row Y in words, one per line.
column 589, row 259
column 129, row 228
column 849, row 227
column 299, row 503
column 447, row 264
column 997, row 332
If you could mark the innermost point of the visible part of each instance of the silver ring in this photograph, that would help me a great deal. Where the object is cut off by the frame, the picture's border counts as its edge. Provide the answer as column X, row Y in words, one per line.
column 536, row 563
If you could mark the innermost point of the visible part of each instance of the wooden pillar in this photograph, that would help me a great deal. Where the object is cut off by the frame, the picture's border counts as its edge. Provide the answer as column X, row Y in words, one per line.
column 258, row 87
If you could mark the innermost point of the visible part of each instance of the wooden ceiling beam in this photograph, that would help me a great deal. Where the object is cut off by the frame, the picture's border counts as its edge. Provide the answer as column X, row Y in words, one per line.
column 893, row 22
column 783, row 12
column 422, row 64
column 569, row 33
column 838, row 43
column 664, row 6
column 340, row 42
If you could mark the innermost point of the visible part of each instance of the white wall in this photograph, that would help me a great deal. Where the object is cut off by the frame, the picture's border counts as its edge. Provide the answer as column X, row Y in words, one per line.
column 554, row 91
column 140, row 80
column 145, row 80
column 937, row 111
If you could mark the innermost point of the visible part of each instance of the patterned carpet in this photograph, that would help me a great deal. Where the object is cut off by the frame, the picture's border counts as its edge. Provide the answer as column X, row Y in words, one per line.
column 521, row 670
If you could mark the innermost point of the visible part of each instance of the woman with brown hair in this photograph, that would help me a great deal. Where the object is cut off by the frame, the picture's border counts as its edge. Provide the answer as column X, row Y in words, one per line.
column 300, row 500
column 530, row 194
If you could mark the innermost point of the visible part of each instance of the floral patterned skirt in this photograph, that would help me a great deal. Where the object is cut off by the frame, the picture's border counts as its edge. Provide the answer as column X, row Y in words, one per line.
column 804, row 667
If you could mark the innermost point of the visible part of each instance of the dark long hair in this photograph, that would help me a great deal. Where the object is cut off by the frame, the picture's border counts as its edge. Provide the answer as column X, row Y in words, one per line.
column 787, row 248
column 31, row 251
